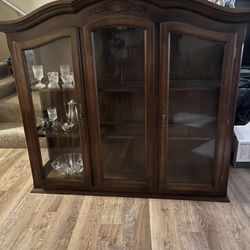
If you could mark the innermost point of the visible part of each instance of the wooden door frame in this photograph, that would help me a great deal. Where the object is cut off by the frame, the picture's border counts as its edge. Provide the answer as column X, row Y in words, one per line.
column 221, row 165
column 27, row 109
column 93, row 107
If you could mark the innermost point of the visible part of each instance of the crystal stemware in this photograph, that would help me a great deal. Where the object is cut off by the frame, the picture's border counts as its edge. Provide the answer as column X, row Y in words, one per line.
column 52, row 114
column 65, row 70
column 38, row 74
column 69, row 80
column 69, row 164
column 42, row 125
column 53, row 80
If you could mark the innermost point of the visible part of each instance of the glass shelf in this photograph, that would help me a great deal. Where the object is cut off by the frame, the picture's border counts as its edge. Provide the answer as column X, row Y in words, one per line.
column 193, row 85
column 120, row 130
column 116, row 86
column 50, row 134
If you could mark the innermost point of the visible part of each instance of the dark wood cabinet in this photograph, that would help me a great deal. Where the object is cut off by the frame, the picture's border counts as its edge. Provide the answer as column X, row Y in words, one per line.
column 143, row 100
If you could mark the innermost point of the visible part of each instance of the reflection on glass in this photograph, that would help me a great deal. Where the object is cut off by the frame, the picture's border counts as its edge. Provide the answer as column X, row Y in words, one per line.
column 119, row 59
column 195, row 74
column 54, row 106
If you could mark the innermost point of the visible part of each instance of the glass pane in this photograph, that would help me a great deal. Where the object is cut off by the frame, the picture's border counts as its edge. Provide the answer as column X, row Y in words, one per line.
column 52, row 86
column 119, row 57
column 195, row 74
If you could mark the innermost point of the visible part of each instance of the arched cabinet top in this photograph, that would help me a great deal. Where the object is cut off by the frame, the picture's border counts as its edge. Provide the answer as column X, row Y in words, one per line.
column 109, row 7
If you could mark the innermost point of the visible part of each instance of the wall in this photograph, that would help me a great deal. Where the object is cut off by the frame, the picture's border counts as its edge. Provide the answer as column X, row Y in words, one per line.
column 50, row 56
column 6, row 13
column 28, row 5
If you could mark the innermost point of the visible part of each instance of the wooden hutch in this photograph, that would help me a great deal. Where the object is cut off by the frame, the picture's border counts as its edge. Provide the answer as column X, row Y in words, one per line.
column 155, row 83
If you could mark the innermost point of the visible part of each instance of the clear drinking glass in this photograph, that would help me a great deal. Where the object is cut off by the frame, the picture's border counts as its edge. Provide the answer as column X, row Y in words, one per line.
column 53, row 80
column 65, row 70
column 38, row 74
column 52, row 114
column 69, row 80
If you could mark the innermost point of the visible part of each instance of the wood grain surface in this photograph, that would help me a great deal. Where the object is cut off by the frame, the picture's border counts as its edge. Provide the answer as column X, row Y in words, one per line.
column 48, row 221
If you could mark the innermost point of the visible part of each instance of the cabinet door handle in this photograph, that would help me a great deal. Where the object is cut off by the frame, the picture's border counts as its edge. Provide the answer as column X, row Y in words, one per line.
column 164, row 116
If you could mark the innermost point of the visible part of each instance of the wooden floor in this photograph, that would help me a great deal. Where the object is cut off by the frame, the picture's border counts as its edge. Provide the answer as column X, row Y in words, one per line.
column 42, row 221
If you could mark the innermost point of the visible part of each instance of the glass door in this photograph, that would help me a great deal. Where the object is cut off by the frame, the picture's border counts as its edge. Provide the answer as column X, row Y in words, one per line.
column 57, row 96
column 123, row 79
column 194, row 92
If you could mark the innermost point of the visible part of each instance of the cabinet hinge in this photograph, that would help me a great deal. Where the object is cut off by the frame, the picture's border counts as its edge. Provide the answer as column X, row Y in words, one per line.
column 163, row 115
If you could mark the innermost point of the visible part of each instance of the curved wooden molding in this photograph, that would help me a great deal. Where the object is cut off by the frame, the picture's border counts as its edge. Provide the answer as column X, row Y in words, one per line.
column 65, row 7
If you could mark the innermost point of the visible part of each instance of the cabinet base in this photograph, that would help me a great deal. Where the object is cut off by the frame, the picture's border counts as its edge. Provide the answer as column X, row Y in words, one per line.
column 133, row 195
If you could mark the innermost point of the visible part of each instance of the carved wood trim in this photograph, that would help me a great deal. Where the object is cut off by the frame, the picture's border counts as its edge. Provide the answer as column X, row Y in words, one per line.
column 67, row 7
column 118, row 7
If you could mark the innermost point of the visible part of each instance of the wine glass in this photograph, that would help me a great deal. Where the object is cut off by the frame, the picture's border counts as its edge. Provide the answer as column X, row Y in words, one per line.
column 69, row 80
column 38, row 74
column 43, row 125
column 52, row 114
column 65, row 70
column 53, row 80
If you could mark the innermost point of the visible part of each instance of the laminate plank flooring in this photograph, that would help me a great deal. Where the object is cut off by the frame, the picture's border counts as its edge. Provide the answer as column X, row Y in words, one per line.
column 49, row 221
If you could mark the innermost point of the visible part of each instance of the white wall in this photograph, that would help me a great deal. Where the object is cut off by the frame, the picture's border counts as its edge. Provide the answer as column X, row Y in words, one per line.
column 28, row 5
column 6, row 13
